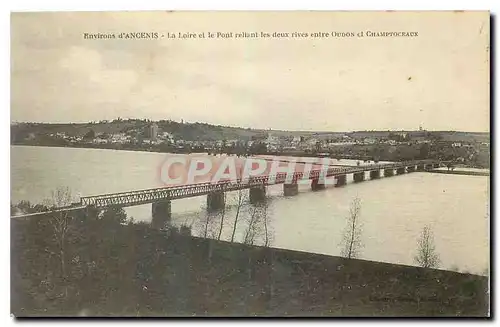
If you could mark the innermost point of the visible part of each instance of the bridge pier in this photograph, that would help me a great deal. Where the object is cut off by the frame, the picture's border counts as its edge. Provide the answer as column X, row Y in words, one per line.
column 410, row 169
column 340, row 180
column 388, row 172
column 257, row 194
column 420, row 167
column 161, row 212
column 400, row 171
column 317, row 185
column 290, row 189
column 216, row 200
column 359, row 177
column 374, row 174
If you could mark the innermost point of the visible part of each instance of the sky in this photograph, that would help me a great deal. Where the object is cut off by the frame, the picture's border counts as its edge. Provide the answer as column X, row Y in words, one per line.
column 438, row 80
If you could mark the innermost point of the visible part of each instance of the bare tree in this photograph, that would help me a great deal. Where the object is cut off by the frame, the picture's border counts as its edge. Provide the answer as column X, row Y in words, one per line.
column 222, row 216
column 207, row 226
column 210, row 226
column 351, row 242
column 207, row 220
column 258, row 225
column 240, row 201
column 253, row 226
column 203, row 225
column 264, row 213
column 60, row 222
column 426, row 256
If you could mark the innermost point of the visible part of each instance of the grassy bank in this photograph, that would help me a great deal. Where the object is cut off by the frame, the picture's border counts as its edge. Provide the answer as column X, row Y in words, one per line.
column 132, row 270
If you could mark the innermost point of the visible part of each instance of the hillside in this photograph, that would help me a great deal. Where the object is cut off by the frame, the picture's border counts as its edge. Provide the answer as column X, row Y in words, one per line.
column 186, row 131
column 203, row 131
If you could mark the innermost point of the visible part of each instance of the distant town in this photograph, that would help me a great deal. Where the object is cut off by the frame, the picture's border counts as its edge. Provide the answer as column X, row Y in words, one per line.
column 471, row 149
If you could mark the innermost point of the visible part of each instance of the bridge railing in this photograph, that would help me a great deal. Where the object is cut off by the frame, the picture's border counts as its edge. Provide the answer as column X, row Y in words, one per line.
column 90, row 200
column 193, row 189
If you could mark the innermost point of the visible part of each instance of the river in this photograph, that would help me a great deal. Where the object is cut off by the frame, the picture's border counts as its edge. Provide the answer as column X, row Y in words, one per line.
column 393, row 210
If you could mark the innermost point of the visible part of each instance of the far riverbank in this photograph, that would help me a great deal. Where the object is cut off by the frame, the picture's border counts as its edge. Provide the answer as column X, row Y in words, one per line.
column 188, row 151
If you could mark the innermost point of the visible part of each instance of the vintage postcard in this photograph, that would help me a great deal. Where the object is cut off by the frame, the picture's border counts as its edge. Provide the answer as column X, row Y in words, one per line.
column 241, row 164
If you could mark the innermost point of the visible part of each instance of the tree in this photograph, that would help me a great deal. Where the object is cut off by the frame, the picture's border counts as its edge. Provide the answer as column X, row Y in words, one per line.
column 207, row 226
column 424, row 151
column 89, row 135
column 258, row 147
column 114, row 215
column 265, row 219
column 426, row 256
column 253, row 226
column 257, row 225
column 239, row 204
column 222, row 216
column 317, row 146
column 60, row 222
column 206, row 223
column 351, row 242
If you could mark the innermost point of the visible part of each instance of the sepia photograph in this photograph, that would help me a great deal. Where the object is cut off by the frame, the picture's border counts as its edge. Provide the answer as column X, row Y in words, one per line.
column 250, row 164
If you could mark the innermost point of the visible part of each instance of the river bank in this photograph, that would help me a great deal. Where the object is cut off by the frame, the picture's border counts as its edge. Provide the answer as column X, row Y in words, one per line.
column 461, row 172
column 159, row 148
column 361, row 152
column 269, row 282
column 172, row 150
column 143, row 272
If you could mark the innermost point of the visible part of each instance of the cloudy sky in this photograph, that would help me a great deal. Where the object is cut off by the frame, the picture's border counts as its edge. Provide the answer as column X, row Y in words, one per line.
column 439, row 80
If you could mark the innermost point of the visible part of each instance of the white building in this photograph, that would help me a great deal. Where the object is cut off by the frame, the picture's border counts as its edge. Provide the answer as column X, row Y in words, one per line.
column 166, row 137
column 118, row 138
column 272, row 142
column 369, row 140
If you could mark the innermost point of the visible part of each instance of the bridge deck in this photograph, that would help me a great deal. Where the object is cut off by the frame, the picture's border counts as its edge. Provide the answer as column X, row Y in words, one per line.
column 138, row 197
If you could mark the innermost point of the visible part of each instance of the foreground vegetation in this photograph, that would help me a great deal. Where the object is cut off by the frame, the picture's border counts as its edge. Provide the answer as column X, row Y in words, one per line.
column 106, row 265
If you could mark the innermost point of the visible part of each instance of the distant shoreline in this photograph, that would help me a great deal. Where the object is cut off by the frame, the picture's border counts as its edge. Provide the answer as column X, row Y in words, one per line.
column 87, row 147
column 461, row 172
column 152, row 150
column 283, row 154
